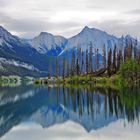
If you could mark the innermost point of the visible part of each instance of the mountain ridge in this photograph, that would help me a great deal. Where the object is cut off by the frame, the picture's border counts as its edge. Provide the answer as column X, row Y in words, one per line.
column 39, row 50
column 46, row 41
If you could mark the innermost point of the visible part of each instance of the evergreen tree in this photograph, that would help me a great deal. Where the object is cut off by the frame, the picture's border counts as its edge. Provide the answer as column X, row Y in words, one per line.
column 63, row 68
column 97, row 59
column 135, row 49
column 79, row 58
column 114, row 58
column 109, row 62
column 73, row 64
column 56, row 67
column 49, row 70
column 128, row 49
column 90, row 58
column 104, row 56
column 119, row 59
column 68, row 68
column 129, row 71
column 87, row 62
column 138, row 57
column 77, row 67
column 82, row 65
column 123, row 45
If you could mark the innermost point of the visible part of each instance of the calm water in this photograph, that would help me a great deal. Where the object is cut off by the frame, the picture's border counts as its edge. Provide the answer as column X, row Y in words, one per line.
column 59, row 113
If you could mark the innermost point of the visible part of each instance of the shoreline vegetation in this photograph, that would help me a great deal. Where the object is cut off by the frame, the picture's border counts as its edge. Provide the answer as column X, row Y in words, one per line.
column 119, row 67
column 128, row 75
column 114, row 81
column 10, row 81
column 14, row 81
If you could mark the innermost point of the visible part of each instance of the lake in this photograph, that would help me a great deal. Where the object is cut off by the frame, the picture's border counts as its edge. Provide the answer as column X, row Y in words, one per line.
column 69, row 113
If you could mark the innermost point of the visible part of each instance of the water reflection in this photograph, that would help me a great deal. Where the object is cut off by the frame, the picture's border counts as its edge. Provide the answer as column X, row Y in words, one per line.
column 91, row 107
column 74, row 131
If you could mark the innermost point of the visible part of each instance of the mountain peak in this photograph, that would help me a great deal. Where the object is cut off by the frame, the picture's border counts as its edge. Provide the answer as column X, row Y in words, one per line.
column 128, row 36
column 2, row 30
column 91, row 30
column 45, row 34
column 4, row 33
column 86, row 28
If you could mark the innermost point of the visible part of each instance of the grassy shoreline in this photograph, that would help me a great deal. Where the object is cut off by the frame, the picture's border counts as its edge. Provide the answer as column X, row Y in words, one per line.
column 10, row 80
column 14, row 80
column 113, row 81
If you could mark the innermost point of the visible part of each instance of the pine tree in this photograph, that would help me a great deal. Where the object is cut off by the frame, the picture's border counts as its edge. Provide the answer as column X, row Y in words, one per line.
column 67, row 71
column 49, row 69
column 128, row 49
column 119, row 59
column 138, row 57
column 77, row 67
column 63, row 68
column 56, row 68
column 90, row 58
column 87, row 62
column 104, row 56
column 123, row 47
column 97, row 59
column 68, row 68
column 82, row 65
column 109, row 62
column 73, row 64
column 79, row 58
column 135, row 49
column 114, row 58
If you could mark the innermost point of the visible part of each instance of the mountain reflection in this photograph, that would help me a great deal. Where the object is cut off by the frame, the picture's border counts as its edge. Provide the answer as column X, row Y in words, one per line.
column 91, row 107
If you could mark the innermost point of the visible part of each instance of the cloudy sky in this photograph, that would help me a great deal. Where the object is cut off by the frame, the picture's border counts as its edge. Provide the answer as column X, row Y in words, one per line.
column 27, row 18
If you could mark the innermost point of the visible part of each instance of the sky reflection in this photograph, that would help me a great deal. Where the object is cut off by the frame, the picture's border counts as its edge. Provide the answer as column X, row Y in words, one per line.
column 73, row 131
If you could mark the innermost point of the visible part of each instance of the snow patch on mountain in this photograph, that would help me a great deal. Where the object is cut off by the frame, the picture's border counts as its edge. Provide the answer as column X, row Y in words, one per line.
column 3, row 42
column 17, row 64
column 46, row 41
column 92, row 36
column 48, row 44
column 8, row 37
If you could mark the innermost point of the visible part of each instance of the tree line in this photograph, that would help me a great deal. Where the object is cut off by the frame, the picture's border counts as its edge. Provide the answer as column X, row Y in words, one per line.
column 90, row 61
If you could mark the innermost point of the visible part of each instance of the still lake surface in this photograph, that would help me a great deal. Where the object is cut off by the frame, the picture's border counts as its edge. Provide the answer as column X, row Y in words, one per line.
column 60, row 113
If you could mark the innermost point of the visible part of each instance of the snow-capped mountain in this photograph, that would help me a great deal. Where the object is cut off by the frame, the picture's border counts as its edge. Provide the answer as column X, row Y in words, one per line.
column 19, row 50
column 92, row 36
column 6, row 35
column 47, row 43
column 96, row 38
column 37, row 51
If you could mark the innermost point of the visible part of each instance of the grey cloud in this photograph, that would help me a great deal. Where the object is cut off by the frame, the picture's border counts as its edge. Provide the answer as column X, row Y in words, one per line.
column 119, row 27
column 21, row 25
column 31, row 27
column 90, row 4
column 2, row 3
column 135, row 11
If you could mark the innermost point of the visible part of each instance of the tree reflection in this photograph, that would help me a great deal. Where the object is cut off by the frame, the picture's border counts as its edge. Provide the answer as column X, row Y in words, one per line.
column 91, row 106
column 93, row 101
